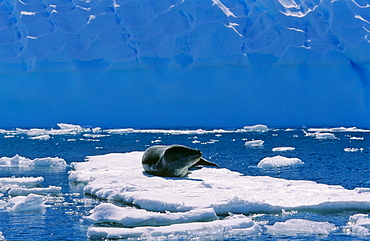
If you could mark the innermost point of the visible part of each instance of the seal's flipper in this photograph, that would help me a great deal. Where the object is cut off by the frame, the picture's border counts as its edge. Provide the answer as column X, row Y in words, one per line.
column 204, row 162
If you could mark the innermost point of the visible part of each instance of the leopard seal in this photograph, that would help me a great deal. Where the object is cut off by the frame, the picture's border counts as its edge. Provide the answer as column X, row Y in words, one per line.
column 172, row 161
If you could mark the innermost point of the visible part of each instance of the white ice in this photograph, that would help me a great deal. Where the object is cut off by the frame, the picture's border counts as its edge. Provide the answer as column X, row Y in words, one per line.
column 283, row 149
column 28, row 182
column 19, row 161
column 321, row 135
column 254, row 143
column 19, row 191
column 119, row 176
column 358, row 224
column 300, row 226
column 278, row 161
column 32, row 202
column 212, row 230
column 132, row 217
column 259, row 127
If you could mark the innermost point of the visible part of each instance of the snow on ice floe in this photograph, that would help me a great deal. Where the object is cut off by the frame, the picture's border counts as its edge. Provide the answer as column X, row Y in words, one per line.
column 32, row 202
column 19, row 161
column 132, row 217
column 300, row 226
column 278, row 161
column 119, row 176
column 217, row 229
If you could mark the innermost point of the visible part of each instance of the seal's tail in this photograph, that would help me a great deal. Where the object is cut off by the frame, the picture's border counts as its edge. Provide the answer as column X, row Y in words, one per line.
column 204, row 162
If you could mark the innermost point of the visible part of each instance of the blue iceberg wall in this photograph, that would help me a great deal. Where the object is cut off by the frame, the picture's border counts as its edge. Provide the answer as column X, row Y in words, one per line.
column 184, row 63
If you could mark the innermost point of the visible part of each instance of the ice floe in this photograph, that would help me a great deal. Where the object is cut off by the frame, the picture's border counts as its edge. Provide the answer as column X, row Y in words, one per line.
column 119, row 176
column 20, row 181
column 19, row 191
column 132, row 217
column 32, row 202
column 259, row 127
column 358, row 224
column 321, row 135
column 278, row 161
column 217, row 229
column 19, row 161
column 300, row 226
column 254, row 143
column 283, row 149
column 353, row 149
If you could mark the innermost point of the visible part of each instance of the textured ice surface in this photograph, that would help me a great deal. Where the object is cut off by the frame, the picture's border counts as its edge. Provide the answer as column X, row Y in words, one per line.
column 32, row 202
column 358, row 224
column 278, row 161
column 131, row 217
column 300, row 226
column 283, row 63
column 19, row 161
column 208, row 230
column 121, row 177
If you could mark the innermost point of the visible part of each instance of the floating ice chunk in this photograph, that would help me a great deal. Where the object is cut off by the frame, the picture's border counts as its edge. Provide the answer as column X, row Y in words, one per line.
column 358, row 224
column 357, row 138
column 327, row 136
column 42, row 137
column 21, row 181
column 32, row 202
column 283, row 149
column 321, row 135
column 300, row 226
column 51, row 190
column 215, row 229
column 254, row 143
column 261, row 128
column 353, row 149
column 70, row 129
column 338, row 129
column 19, row 161
column 131, row 217
column 278, row 161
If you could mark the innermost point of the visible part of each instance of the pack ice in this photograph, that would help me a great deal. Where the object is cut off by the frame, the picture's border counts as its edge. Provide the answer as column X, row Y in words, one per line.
column 194, row 204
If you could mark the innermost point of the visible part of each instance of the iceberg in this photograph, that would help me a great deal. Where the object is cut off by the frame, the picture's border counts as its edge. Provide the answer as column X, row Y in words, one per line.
column 148, row 64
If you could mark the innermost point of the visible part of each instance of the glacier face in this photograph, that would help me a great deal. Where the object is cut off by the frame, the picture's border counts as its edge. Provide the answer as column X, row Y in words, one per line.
column 182, row 63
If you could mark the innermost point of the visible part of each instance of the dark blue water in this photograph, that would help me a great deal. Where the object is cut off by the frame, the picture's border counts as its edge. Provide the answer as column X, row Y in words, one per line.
column 325, row 161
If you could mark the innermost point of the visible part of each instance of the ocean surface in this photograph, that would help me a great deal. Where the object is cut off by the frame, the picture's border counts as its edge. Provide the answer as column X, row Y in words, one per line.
column 342, row 157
